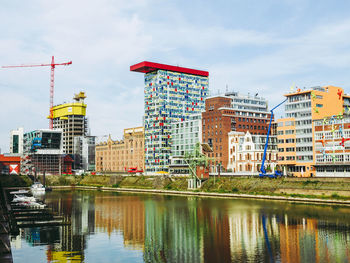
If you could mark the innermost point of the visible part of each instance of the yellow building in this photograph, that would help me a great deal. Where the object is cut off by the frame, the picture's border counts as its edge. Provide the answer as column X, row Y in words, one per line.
column 295, row 132
column 70, row 117
column 119, row 156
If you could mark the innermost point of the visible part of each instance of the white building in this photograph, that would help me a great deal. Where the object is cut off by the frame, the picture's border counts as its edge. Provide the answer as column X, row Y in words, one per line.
column 246, row 152
column 16, row 141
column 84, row 153
column 185, row 135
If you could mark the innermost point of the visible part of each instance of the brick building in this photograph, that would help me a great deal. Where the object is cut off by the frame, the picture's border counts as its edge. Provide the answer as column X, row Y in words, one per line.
column 232, row 112
column 119, row 156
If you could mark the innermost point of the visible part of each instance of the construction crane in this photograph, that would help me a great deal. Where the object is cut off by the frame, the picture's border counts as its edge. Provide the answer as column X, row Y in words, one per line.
column 52, row 81
column 262, row 169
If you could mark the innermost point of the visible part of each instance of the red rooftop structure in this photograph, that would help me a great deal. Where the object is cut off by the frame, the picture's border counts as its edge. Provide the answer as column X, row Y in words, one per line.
column 146, row 67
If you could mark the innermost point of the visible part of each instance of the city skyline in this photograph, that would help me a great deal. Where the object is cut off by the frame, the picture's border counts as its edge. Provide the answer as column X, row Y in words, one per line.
column 251, row 47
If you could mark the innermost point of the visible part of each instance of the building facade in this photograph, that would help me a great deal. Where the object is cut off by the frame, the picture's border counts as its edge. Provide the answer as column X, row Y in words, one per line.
column 185, row 135
column 119, row 156
column 43, row 153
column 16, row 141
column 246, row 153
column 172, row 94
column 295, row 132
column 332, row 146
column 232, row 112
column 71, row 119
column 84, row 153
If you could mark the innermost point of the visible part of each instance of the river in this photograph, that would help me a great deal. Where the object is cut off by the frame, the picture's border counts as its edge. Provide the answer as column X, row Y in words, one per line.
column 120, row 227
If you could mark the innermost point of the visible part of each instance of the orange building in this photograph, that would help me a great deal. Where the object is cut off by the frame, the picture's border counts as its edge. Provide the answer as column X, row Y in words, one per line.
column 119, row 156
column 295, row 135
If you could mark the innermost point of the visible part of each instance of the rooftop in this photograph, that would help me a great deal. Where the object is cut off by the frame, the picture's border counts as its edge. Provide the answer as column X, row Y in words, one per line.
column 146, row 67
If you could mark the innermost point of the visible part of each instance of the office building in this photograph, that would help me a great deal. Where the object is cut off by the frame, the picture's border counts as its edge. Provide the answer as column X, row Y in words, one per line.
column 84, row 153
column 185, row 135
column 43, row 153
column 172, row 94
column 16, row 142
column 332, row 146
column 295, row 132
column 71, row 119
column 120, row 156
column 232, row 112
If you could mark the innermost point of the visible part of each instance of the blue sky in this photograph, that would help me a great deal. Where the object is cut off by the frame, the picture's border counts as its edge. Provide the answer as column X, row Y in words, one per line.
column 251, row 46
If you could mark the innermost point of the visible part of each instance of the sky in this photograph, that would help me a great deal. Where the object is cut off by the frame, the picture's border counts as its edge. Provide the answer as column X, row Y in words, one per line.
column 248, row 46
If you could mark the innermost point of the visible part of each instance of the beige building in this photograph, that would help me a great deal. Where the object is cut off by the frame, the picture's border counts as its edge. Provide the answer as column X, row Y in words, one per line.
column 120, row 156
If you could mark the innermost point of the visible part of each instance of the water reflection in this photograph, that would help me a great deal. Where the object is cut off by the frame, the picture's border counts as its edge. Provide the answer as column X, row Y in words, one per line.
column 157, row 228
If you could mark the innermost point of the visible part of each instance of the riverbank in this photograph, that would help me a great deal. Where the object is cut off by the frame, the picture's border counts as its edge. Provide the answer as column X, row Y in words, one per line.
column 208, row 194
column 295, row 189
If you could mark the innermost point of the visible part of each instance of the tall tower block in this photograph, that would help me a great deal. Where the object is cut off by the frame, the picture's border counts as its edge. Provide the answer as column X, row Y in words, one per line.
column 171, row 94
column 71, row 119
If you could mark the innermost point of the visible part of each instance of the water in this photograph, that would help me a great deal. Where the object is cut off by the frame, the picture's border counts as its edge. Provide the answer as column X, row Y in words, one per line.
column 114, row 227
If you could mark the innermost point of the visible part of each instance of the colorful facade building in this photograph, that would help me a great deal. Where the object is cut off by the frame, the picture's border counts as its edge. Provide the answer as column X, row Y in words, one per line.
column 71, row 119
column 295, row 132
column 120, row 156
column 232, row 112
column 246, row 153
column 332, row 146
column 172, row 94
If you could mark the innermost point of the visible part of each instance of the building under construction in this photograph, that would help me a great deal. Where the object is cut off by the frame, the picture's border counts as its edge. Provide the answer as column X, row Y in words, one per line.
column 71, row 119
column 43, row 153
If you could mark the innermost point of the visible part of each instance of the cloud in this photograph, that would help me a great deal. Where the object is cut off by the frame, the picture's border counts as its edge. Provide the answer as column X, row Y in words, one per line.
column 103, row 38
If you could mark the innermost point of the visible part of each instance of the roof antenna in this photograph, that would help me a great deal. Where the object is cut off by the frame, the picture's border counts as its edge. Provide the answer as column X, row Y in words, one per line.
column 226, row 88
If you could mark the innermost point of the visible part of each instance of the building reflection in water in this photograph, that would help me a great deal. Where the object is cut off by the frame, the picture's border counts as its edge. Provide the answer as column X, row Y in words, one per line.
column 79, row 208
column 125, row 214
column 192, row 229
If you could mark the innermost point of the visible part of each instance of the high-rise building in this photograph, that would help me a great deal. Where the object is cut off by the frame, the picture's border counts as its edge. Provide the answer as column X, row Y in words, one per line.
column 295, row 132
column 84, row 153
column 71, row 119
column 172, row 94
column 120, row 156
column 232, row 112
column 16, row 141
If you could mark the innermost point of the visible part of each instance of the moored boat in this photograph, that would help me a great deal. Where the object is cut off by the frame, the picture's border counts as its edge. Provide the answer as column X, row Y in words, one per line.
column 37, row 188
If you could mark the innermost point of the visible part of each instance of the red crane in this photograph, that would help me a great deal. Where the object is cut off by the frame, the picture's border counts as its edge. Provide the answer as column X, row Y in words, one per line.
column 52, row 81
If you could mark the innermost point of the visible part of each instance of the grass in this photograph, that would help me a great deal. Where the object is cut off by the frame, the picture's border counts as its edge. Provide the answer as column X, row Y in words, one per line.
column 255, row 186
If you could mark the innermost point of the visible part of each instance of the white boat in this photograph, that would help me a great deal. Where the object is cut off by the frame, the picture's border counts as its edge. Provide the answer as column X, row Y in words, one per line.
column 37, row 188
column 21, row 191
column 23, row 198
column 31, row 204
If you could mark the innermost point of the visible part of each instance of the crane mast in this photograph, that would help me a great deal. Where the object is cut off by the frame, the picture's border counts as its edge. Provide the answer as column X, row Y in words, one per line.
column 52, row 81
